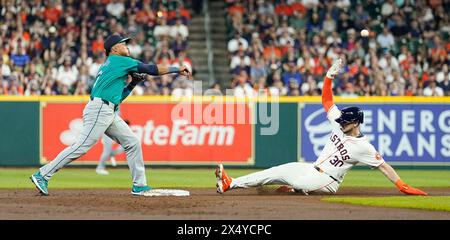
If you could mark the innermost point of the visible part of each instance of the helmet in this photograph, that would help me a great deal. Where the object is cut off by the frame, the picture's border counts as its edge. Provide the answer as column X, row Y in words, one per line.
column 351, row 114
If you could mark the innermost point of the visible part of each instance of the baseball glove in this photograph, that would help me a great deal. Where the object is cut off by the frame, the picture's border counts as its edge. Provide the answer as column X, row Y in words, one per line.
column 138, row 77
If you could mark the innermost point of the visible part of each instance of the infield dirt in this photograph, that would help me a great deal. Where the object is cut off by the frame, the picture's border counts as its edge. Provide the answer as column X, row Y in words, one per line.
column 259, row 203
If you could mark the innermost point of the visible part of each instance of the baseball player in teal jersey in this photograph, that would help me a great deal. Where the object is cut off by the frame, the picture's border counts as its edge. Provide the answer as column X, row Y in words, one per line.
column 99, row 116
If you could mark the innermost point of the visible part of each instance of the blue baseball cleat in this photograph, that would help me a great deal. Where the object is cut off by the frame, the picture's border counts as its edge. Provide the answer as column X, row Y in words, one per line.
column 40, row 182
column 136, row 190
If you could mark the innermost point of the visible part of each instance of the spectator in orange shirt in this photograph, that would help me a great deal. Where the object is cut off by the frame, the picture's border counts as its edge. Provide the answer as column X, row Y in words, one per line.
column 181, row 13
column 437, row 53
column 320, row 65
column 353, row 68
column 146, row 16
column 272, row 50
column 98, row 44
column 237, row 8
column 162, row 11
column 298, row 6
column 284, row 9
column 52, row 13
column 185, row 13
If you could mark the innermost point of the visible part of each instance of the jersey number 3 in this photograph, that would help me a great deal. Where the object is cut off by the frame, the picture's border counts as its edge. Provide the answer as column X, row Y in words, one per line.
column 336, row 162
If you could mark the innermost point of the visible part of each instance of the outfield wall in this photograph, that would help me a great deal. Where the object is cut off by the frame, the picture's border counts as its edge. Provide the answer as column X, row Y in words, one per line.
column 410, row 131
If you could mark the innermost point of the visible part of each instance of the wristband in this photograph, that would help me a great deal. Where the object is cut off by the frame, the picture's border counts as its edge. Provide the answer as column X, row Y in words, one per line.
column 329, row 76
column 174, row 70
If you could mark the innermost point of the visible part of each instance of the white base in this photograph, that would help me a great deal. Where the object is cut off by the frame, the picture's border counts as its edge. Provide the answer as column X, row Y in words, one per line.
column 164, row 192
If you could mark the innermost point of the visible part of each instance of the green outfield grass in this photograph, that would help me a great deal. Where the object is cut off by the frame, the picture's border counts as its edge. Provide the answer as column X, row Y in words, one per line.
column 73, row 178
column 436, row 203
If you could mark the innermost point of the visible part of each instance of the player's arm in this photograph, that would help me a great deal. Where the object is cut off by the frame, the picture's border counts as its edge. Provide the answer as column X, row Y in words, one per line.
column 327, row 90
column 158, row 69
column 392, row 175
column 367, row 154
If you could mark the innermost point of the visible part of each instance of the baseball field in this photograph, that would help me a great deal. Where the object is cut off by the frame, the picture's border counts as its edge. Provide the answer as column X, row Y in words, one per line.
column 79, row 193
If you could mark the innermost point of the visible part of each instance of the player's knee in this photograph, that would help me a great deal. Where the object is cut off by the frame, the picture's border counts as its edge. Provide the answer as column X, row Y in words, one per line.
column 132, row 142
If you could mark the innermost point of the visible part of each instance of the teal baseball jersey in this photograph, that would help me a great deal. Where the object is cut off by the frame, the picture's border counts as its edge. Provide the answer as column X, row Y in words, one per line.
column 112, row 76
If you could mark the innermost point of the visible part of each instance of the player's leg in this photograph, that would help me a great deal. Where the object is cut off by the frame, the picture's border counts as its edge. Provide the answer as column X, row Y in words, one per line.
column 117, row 151
column 120, row 132
column 273, row 175
column 96, row 119
column 114, row 152
column 301, row 176
column 107, row 152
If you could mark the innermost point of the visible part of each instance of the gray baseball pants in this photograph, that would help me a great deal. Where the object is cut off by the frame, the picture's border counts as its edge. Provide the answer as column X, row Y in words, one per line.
column 99, row 118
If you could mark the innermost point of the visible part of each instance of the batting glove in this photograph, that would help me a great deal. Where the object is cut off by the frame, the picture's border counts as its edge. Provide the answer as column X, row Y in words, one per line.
column 335, row 68
column 406, row 189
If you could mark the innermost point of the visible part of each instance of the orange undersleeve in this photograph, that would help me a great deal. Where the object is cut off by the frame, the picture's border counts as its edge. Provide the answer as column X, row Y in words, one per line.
column 327, row 94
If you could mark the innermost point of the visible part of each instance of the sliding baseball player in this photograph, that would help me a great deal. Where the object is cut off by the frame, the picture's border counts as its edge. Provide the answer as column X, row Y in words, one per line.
column 99, row 116
column 346, row 147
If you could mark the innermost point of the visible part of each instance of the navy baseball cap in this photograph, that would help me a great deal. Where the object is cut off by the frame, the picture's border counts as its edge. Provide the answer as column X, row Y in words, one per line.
column 351, row 114
column 112, row 40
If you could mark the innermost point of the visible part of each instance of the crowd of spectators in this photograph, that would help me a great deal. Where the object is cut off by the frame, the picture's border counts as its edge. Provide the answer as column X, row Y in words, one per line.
column 284, row 47
column 276, row 47
column 55, row 47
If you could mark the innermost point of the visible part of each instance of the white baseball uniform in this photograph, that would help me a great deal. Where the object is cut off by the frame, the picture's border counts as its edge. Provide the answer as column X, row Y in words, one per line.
column 339, row 155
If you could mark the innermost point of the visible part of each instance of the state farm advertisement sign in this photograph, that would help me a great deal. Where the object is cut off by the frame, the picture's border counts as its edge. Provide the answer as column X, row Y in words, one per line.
column 169, row 132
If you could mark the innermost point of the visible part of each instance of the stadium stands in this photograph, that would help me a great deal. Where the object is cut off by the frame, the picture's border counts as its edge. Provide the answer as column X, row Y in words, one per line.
column 276, row 47
column 284, row 47
column 55, row 47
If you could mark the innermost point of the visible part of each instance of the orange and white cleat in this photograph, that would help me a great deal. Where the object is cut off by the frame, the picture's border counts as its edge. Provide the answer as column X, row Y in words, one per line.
column 223, row 180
